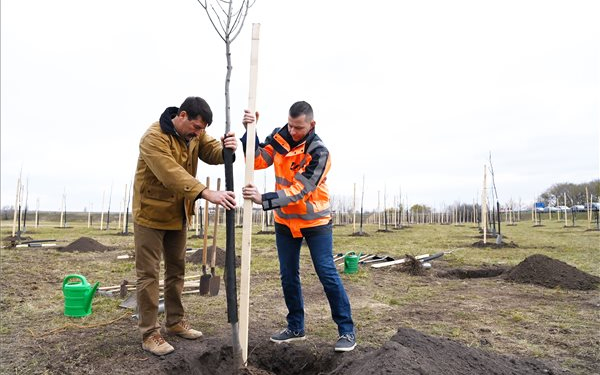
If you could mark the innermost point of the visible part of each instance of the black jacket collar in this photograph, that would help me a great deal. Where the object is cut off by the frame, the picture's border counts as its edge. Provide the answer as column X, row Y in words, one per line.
column 166, row 120
column 285, row 133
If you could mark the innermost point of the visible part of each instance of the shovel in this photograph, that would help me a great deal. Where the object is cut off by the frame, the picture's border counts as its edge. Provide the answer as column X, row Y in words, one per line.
column 378, row 258
column 215, row 281
column 432, row 257
column 205, row 278
column 364, row 259
column 131, row 303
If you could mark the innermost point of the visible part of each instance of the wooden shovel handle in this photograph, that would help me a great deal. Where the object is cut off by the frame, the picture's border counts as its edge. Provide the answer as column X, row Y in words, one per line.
column 213, row 261
column 204, row 249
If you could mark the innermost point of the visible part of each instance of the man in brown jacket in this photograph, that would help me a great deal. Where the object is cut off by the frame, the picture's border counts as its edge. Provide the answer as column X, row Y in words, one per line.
column 165, row 189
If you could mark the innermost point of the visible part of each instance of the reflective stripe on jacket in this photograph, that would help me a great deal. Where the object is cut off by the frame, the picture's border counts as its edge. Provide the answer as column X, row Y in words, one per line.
column 165, row 186
column 301, row 199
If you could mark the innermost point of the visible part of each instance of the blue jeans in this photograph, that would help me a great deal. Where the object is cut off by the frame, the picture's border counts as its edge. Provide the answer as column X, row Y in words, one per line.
column 321, row 249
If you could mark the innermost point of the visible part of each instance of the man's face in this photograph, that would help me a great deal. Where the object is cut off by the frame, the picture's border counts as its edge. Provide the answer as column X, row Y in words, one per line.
column 299, row 127
column 190, row 129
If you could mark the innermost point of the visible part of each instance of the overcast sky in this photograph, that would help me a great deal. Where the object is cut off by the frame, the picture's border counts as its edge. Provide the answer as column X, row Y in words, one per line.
column 412, row 95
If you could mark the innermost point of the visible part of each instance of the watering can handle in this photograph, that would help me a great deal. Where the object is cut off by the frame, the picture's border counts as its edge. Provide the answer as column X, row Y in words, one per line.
column 69, row 277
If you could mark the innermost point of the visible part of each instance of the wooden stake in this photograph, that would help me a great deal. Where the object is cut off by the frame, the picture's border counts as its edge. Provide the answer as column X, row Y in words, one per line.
column 62, row 210
column 263, row 216
column 197, row 217
column 249, row 179
column 102, row 212
column 484, row 205
column 205, row 237
column 15, row 213
column 589, row 213
column 565, row 199
column 37, row 212
column 354, row 210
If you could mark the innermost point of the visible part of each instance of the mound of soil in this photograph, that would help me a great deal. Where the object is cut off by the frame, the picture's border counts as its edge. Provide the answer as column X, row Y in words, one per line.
column 412, row 352
column 550, row 273
column 196, row 257
column 408, row 352
column 85, row 244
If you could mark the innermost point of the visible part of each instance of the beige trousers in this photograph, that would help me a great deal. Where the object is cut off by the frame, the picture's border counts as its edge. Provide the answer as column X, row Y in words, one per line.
column 149, row 245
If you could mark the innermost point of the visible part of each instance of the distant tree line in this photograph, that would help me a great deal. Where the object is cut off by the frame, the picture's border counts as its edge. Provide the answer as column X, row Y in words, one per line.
column 575, row 193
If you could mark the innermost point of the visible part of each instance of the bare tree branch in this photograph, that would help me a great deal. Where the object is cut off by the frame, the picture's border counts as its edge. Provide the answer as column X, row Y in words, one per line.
column 205, row 6
column 202, row 4
column 220, row 6
column 236, row 17
column 225, row 30
column 241, row 24
column 223, row 26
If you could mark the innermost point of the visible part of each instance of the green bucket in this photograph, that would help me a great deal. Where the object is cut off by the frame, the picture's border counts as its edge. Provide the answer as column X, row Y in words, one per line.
column 351, row 262
column 78, row 296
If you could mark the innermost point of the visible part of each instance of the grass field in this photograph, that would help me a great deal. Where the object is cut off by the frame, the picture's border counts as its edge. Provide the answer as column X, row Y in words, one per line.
column 554, row 325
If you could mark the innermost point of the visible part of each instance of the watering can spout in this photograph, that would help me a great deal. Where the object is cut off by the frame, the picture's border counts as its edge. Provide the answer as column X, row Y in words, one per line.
column 90, row 296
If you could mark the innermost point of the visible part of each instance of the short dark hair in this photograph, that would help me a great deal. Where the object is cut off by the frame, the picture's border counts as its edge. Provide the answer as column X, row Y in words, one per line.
column 195, row 106
column 301, row 108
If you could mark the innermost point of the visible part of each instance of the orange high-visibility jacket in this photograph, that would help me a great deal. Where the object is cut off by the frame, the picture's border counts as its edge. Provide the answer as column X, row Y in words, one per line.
column 301, row 196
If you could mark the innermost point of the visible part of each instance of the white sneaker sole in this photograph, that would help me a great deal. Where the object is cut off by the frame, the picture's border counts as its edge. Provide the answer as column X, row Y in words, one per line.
column 345, row 349
column 158, row 354
column 288, row 340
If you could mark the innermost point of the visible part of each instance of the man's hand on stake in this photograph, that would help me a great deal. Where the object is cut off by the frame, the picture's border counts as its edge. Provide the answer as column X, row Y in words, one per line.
column 229, row 141
column 222, row 197
column 251, row 192
column 249, row 117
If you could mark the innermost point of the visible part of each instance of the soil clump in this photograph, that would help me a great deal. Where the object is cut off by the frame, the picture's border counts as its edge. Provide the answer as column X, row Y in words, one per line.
column 196, row 257
column 12, row 241
column 551, row 273
column 413, row 266
column 85, row 244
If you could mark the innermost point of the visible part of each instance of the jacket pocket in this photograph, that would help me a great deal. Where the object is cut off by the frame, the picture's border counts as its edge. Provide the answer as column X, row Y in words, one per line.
column 158, row 205
column 159, row 194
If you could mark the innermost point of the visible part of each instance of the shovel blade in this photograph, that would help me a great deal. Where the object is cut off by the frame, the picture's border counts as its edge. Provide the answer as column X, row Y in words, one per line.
column 130, row 302
column 215, row 284
column 204, row 284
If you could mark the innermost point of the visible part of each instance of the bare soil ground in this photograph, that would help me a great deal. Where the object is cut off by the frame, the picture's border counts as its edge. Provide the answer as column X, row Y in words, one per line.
column 462, row 316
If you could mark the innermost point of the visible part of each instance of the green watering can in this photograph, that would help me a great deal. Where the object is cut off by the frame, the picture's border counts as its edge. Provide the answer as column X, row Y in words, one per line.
column 351, row 262
column 78, row 296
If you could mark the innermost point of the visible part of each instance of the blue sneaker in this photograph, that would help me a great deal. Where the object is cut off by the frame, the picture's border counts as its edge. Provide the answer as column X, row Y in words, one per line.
column 288, row 335
column 345, row 343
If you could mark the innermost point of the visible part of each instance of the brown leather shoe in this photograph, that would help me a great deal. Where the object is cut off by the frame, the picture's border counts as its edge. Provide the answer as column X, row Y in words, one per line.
column 156, row 345
column 184, row 330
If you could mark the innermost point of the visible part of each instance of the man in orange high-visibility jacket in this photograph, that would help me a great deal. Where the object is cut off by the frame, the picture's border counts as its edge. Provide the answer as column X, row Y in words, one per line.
column 302, row 210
